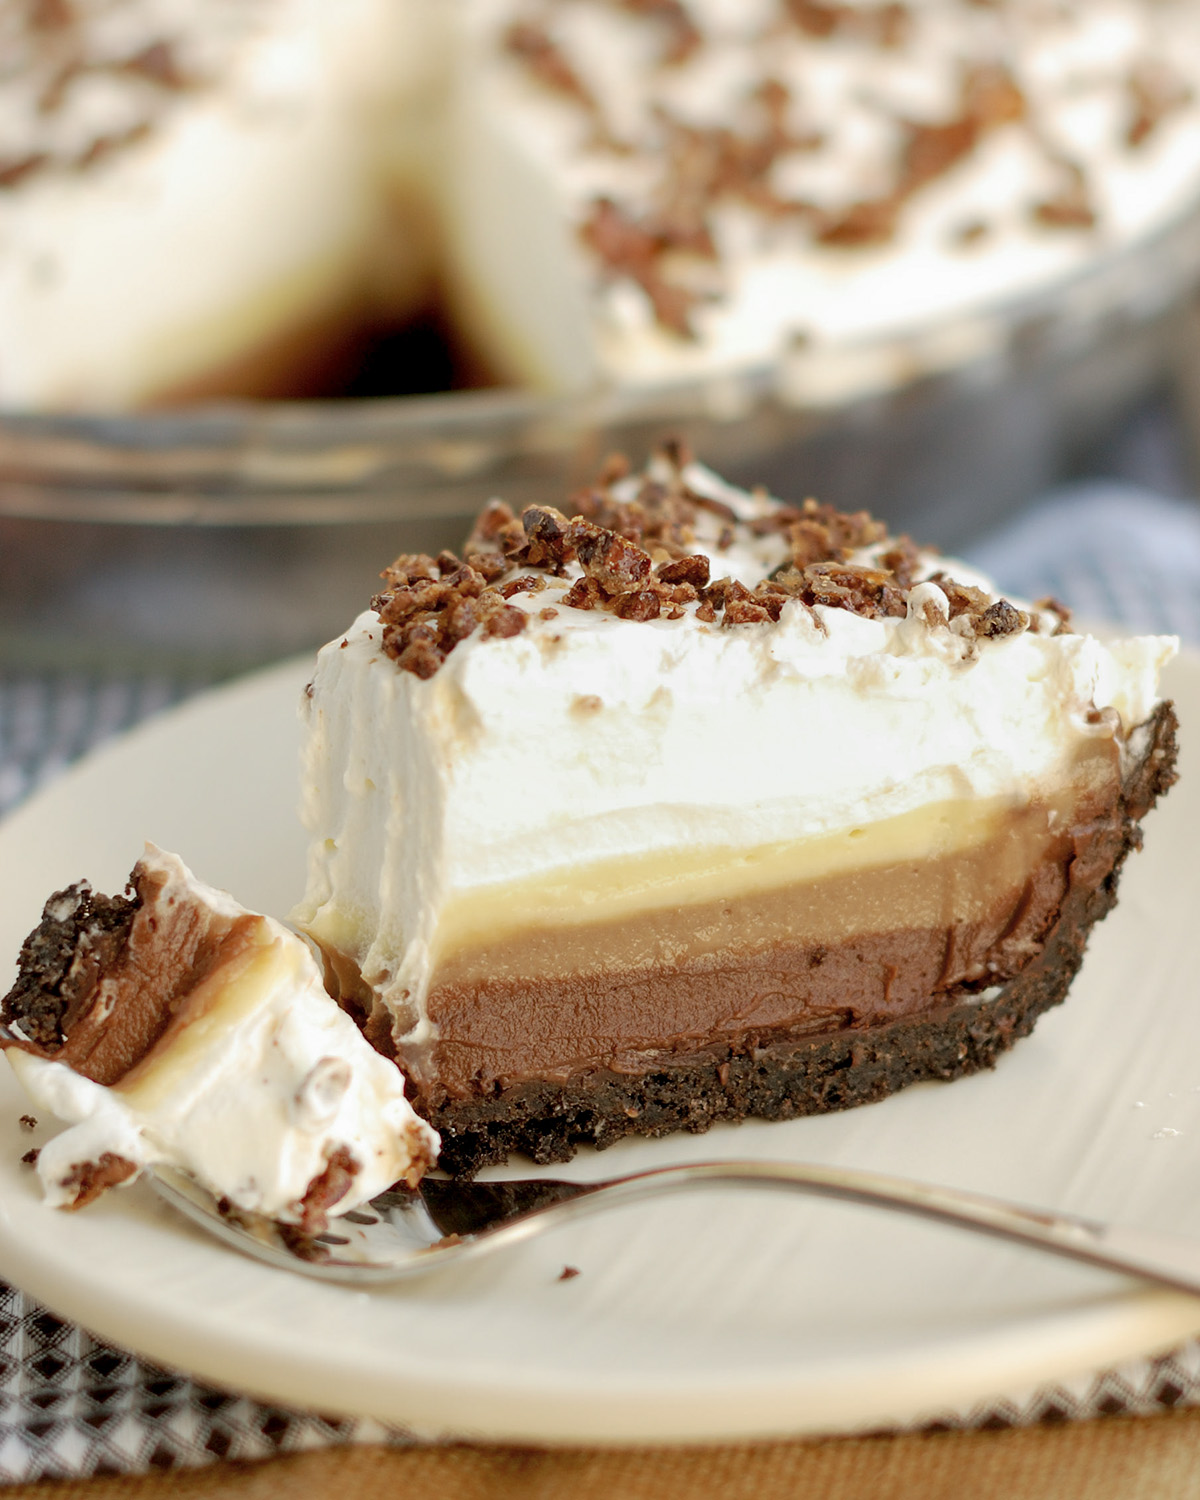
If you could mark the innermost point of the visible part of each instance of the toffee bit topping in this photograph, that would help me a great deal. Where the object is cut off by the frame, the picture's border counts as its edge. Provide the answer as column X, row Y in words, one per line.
column 885, row 25
column 74, row 90
column 88, row 1179
column 989, row 98
column 535, row 47
column 633, row 550
column 528, row 583
column 640, row 604
column 424, row 617
column 663, row 226
column 616, row 564
column 903, row 560
column 547, row 544
column 981, row 616
column 627, row 248
column 693, row 570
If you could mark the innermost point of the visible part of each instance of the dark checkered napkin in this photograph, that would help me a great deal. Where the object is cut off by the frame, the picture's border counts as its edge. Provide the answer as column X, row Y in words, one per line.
column 73, row 1407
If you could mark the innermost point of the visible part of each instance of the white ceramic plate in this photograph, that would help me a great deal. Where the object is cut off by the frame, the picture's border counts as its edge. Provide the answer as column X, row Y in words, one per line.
column 713, row 1317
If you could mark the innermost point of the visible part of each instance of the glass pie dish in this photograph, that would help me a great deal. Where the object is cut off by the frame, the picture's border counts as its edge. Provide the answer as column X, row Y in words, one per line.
column 216, row 538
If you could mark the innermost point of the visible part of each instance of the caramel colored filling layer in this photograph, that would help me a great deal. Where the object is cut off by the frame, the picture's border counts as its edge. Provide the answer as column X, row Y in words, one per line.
column 852, row 948
column 611, row 894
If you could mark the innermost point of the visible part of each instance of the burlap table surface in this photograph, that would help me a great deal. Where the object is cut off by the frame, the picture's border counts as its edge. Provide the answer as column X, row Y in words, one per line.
column 107, row 1423
column 1120, row 1458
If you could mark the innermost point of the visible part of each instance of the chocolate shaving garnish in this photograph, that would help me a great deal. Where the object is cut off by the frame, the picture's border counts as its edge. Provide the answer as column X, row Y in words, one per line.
column 419, row 656
column 614, row 468
column 30, row 1158
column 28, row 1122
column 821, row 533
column 104, row 145
column 971, row 232
column 986, row 618
column 989, row 98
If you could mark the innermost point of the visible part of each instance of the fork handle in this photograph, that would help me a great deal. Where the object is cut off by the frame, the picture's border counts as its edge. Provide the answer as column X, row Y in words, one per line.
column 1168, row 1260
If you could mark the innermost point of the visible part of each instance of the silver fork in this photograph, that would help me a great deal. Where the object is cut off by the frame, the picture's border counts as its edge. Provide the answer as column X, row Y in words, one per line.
column 401, row 1234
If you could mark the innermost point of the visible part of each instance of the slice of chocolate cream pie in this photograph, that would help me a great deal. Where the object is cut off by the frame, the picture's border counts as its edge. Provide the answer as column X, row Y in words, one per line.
column 684, row 805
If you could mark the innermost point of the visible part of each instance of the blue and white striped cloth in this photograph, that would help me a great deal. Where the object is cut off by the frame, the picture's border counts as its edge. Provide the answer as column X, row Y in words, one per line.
column 1111, row 551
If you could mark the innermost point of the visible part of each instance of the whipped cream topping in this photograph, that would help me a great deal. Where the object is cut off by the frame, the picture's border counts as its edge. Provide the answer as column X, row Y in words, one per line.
column 802, row 179
column 588, row 737
column 270, row 1096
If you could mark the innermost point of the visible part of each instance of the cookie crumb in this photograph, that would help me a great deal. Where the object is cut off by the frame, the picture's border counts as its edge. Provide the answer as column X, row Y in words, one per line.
column 30, row 1158
column 28, row 1122
column 568, row 1273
